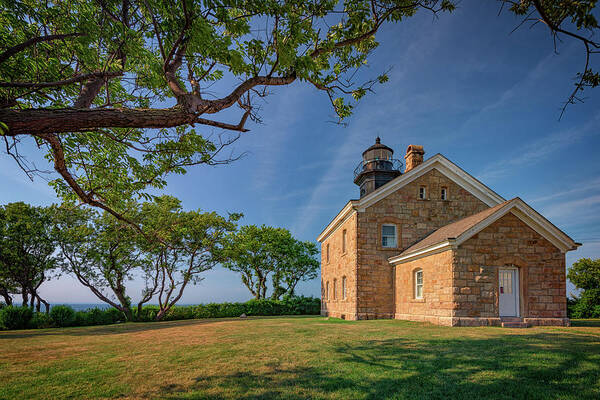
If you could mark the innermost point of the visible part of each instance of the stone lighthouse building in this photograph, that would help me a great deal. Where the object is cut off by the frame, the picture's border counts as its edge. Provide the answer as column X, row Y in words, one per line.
column 432, row 243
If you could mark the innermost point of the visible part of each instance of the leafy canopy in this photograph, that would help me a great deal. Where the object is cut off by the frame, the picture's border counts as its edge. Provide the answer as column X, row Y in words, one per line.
column 258, row 252
column 120, row 93
column 585, row 274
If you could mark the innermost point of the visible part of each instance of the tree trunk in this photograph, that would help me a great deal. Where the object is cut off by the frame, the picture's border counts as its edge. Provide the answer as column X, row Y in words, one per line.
column 160, row 314
column 25, row 297
column 4, row 293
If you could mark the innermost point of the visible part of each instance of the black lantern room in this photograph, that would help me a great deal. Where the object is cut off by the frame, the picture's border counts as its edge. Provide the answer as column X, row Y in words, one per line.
column 377, row 168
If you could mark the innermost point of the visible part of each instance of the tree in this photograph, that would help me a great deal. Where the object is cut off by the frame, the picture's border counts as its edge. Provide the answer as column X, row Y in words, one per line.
column 570, row 19
column 104, row 253
column 101, row 252
column 257, row 252
column 26, row 249
column 192, row 244
column 585, row 275
column 299, row 264
column 97, row 83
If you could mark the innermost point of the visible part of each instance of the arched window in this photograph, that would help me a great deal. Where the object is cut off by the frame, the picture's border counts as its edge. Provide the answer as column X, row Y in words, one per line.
column 344, row 287
column 418, row 284
column 335, row 289
column 327, row 290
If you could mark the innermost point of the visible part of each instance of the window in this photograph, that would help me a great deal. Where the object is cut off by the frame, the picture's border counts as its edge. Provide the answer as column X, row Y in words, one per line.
column 335, row 289
column 344, row 288
column 327, row 253
column 422, row 192
column 388, row 236
column 327, row 290
column 344, row 241
column 419, row 284
column 444, row 194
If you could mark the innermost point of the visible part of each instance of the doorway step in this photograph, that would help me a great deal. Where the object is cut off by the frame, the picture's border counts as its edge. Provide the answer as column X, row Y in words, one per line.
column 513, row 322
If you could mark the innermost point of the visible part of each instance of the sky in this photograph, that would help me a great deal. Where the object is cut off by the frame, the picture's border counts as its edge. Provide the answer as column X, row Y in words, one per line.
column 462, row 85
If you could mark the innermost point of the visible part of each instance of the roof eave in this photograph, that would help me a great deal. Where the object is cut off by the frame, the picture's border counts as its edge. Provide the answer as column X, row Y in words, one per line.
column 420, row 253
column 339, row 218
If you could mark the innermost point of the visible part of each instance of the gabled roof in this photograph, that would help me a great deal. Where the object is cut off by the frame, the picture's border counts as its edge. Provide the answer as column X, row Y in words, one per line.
column 455, row 229
column 439, row 162
column 456, row 233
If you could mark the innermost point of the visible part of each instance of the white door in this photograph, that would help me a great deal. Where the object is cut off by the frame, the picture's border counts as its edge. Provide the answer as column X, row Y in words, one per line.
column 508, row 292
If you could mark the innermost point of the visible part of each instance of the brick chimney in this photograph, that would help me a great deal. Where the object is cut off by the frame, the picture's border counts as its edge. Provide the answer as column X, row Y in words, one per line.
column 413, row 157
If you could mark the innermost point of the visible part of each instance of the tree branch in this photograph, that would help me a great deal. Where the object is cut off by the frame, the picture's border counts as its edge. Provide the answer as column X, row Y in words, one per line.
column 75, row 79
column 11, row 51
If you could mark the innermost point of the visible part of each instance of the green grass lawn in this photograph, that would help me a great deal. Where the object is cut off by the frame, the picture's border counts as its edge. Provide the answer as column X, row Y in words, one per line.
column 300, row 358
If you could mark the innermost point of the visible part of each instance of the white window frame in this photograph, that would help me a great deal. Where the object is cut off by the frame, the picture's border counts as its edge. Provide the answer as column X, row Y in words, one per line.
column 343, row 288
column 395, row 244
column 417, row 284
column 444, row 193
column 422, row 192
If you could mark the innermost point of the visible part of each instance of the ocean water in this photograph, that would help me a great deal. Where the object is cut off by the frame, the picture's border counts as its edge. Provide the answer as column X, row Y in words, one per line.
column 83, row 306
column 102, row 306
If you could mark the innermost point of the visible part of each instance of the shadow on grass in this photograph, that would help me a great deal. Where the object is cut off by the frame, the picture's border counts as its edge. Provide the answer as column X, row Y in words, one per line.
column 505, row 366
column 128, row 327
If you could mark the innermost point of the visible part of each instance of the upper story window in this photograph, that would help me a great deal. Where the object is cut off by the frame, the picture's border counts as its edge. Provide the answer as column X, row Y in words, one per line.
column 344, row 288
column 335, row 289
column 422, row 192
column 344, row 241
column 444, row 194
column 327, row 253
column 419, row 284
column 388, row 236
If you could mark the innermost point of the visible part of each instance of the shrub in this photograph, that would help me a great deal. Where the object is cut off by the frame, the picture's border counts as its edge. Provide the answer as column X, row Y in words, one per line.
column 62, row 316
column 113, row 316
column 148, row 313
column 14, row 317
column 40, row 320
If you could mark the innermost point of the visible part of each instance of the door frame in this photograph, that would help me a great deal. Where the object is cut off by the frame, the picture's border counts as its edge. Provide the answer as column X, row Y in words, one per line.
column 516, row 287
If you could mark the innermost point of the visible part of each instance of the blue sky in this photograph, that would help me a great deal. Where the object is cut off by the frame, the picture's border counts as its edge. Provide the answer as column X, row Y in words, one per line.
column 461, row 85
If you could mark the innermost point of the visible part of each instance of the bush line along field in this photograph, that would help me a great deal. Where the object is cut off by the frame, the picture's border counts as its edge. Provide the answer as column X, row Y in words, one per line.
column 64, row 316
column 303, row 357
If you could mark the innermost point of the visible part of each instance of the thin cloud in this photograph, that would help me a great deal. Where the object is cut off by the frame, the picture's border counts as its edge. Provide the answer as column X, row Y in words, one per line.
column 580, row 207
column 539, row 150
column 580, row 187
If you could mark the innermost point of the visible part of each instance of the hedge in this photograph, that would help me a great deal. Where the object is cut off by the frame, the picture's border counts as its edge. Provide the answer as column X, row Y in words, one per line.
column 12, row 317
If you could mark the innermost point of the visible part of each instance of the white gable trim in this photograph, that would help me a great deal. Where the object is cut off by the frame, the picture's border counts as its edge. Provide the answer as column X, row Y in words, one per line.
column 518, row 208
column 446, row 167
column 531, row 218
column 343, row 215
column 427, row 251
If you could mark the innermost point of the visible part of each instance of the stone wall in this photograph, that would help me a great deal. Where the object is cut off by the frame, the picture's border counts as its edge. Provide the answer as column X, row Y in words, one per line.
column 436, row 304
column 509, row 242
column 414, row 219
column 341, row 264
